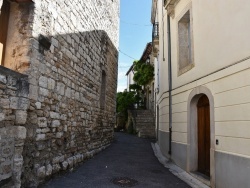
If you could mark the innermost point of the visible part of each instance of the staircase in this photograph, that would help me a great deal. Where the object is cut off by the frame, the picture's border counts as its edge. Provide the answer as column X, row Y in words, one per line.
column 144, row 123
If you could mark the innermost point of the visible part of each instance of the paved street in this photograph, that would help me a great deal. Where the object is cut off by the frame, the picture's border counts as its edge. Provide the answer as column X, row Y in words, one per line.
column 128, row 156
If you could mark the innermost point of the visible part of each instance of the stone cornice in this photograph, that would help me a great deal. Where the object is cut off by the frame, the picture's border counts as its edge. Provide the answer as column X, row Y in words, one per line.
column 170, row 6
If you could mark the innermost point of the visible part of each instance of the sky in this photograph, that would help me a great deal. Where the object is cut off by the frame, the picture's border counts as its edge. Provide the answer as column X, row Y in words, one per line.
column 135, row 33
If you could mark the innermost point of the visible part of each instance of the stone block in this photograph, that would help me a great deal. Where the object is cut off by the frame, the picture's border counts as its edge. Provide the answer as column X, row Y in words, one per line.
column 33, row 92
column 18, row 132
column 41, row 172
column 54, row 115
column 40, row 137
column 55, row 123
column 14, row 102
column 68, row 92
column 60, row 88
column 38, row 105
column 6, row 169
column 19, row 103
column 63, row 117
column 21, row 117
column 58, row 159
column 43, row 92
column 3, row 79
column 43, row 82
column 54, row 41
column 56, row 168
column 70, row 162
column 64, row 165
column 48, row 170
column 59, row 134
column 42, row 121
column 5, row 103
column 2, row 116
column 51, row 84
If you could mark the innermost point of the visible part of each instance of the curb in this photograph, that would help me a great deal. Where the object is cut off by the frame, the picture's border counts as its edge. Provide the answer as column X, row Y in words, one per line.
column 177, row 171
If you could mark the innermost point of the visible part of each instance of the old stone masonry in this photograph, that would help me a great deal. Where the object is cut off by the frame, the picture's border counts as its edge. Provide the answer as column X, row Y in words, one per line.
column 57, row 85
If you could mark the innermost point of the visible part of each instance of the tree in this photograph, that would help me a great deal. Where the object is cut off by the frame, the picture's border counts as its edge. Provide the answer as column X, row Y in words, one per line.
column 124, row 101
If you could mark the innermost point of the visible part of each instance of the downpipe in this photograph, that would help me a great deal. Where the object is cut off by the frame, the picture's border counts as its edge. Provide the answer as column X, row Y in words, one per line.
column 170, row 85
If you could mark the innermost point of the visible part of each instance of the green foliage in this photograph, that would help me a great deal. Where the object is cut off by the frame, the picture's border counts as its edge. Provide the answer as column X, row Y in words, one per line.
column 124, row 100
column 144, row 73
column 135, row 87
column 139, row 94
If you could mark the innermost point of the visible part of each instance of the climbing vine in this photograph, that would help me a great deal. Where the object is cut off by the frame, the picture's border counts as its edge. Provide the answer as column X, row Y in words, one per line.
column 144, row 72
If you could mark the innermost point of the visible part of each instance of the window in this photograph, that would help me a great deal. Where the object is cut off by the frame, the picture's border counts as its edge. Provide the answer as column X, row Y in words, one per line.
column 185, row 46
column 4, row 22
column 103, row 90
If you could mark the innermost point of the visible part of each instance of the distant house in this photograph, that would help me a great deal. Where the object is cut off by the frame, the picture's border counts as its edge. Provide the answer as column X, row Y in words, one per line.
column 148, row 88
column 130, row 76
column 147, row 57
column 202, row 87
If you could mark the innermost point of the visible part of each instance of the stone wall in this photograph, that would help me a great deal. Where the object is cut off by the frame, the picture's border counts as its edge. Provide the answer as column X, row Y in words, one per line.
column 14, row 103
column 66, row 124
column 17, row 55
column 63, row 111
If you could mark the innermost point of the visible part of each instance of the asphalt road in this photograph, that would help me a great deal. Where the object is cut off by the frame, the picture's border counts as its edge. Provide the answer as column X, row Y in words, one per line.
column 129, row 162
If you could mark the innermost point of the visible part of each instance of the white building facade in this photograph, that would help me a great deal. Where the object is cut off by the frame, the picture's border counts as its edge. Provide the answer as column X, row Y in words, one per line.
column 202, row 63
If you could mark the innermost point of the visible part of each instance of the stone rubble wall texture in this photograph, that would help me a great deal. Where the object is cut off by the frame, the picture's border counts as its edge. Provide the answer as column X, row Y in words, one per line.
column 65, row 123
column 62, row 116
column 14, row 104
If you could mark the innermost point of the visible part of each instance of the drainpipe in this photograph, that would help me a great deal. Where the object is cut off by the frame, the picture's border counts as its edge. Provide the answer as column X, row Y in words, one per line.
column 170, row 86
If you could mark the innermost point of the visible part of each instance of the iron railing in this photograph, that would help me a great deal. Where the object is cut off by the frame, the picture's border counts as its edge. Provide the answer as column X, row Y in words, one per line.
column 155, row 33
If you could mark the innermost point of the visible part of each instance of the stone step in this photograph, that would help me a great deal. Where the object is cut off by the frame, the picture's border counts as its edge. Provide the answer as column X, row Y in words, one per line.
column 143, row 113
column 144, row 121
column 148, row 129
column 142, row 125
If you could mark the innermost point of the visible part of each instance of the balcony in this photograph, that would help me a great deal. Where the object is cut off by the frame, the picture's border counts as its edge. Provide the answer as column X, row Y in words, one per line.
column 155, row 33
column 155, row 38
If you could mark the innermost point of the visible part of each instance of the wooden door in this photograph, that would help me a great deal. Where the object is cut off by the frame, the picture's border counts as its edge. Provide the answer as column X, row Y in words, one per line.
column 203, row 114
column 4, row 22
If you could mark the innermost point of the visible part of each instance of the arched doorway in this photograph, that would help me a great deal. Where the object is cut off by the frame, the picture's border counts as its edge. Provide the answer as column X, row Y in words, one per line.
column 203, row 123
column 200, row 109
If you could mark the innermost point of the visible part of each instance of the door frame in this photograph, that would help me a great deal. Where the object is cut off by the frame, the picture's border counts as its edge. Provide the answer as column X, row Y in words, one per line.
column 192, row 135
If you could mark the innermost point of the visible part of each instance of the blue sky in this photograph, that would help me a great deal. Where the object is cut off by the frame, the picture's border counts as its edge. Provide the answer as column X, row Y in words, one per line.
column 135, row 33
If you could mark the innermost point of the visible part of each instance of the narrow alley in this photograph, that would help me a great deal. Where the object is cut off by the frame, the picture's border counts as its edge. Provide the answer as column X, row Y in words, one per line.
column 129, row 158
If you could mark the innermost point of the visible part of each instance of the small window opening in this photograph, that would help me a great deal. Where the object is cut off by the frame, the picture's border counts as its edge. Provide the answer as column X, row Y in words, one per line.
column 103, row 90
column 185, row 43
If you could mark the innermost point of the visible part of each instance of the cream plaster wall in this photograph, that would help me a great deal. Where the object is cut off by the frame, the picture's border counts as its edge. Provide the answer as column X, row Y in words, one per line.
column 229, row 89
column 162, row 57
column 162, row 83
column 216, row 24
column 222, row 65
